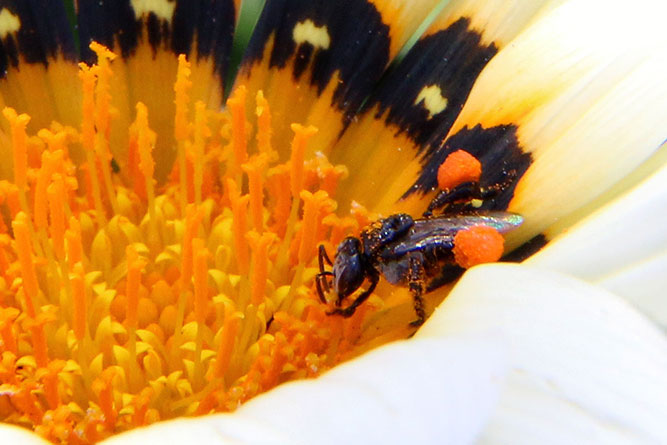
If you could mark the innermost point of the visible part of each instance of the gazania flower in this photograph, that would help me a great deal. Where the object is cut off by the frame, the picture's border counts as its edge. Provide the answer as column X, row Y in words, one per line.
column 159, row 243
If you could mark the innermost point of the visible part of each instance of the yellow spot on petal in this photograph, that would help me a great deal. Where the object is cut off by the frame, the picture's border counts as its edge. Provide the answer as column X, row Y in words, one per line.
column 308, row 32
column 432, row 99
column 9, row 23
column 163, row 9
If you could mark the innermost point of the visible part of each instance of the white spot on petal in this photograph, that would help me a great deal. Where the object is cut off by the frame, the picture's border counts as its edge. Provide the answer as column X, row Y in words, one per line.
column 163, row 9
column 9, row 23
column 308, row 32
column 432, row 99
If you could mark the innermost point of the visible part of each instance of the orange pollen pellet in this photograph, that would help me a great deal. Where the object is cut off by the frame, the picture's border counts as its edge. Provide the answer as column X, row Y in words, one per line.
column 459, row 167
column 239, row 225
column 56, row 194
column 236, row 105
column 477, row 245
column 24, row 252
column 200, row 267
column 79, row 300
column 255, row 169
column 182, row 88
column 18, row 124
column 301, row 136
column 260, row 263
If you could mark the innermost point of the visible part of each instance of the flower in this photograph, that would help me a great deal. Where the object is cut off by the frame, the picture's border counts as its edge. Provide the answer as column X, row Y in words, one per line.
column 134, row 291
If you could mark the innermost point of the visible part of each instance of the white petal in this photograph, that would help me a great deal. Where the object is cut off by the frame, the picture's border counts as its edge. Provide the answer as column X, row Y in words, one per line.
column 10, row 434
column 418, row 391
column 615, row 245
column 644, row 285
column 585, row 367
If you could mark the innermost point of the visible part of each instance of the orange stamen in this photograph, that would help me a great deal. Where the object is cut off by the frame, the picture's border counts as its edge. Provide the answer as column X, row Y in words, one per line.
column 459, row 167
column 279, row 183
column 314, row 203
column 230, row 329
column 477, row 245
column 24, row 252
column 133, row 281
column 7, row 317
column 103, row 116
column 240, row 211
column 255, row 169
column 236, row 105
column 56, row 194
column 201, row 133
column 79, row 301
column 145, row 143
column 36, row 326
column 192, row 221
column 102, row 386
column 40, row 200
column 301, row 136
column 88, row 80
column 264, row 127
column 182, row 88
column 259, row 245
column 73, row 237
column 18, row 125
column 200, row 266
column 181, row 124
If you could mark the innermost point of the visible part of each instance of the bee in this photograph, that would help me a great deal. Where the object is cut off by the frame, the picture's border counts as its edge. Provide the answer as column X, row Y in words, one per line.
column 405, row 251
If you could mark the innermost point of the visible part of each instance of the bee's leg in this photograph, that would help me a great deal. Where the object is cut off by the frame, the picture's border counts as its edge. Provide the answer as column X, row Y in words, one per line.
column 322, row 288
column 462, row 192
column 416, row 285
column 468, row 191
column 322, row 256
column 348, row 311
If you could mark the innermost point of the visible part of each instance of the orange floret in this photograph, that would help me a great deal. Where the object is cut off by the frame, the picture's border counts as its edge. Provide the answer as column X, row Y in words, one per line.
column 459, row 167
column 477, row 245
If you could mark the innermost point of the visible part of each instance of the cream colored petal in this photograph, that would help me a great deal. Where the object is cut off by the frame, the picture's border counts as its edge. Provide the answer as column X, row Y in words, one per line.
column 622, row 247
column 418, row 391
column 498, row 21
column 587, row 98
column 584, row 366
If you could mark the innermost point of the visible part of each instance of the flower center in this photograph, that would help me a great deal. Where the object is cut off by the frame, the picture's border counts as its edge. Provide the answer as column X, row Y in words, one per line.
column 125, row 302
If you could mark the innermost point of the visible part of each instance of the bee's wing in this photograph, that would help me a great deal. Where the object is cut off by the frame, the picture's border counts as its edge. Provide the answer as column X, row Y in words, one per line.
column 440, row 231
column 503, row 222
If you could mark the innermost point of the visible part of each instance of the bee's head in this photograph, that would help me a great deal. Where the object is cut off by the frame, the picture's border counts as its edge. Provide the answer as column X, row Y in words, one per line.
column 348, row 268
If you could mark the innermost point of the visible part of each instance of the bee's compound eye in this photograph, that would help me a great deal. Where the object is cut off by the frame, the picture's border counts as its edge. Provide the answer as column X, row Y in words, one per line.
column 348, row 271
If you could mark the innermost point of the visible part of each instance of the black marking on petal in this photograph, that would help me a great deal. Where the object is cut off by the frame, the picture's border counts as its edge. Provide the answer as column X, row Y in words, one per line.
column 205, row 25
column 358, row 48
column 527, row 249
column 497, row 148
column 444, row 64
column 37, row 30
